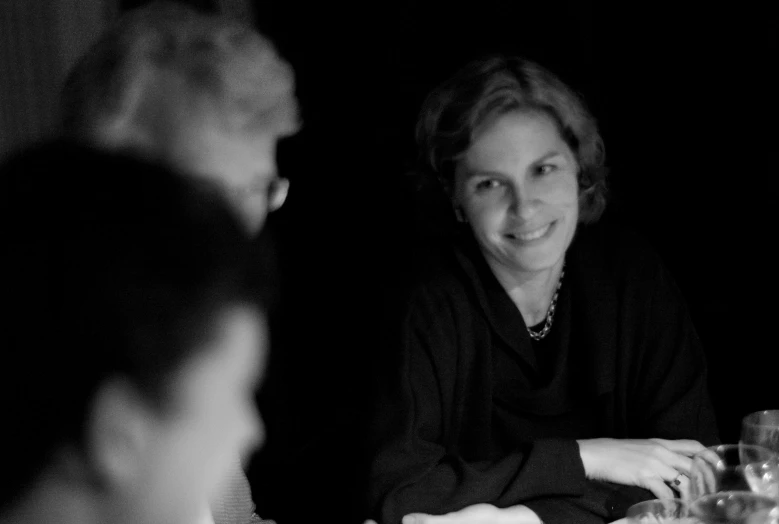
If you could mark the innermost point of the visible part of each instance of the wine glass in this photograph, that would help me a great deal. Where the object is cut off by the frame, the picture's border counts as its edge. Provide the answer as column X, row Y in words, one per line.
column 659, row 511
column 735, row 467
column 761, row 429
column 735, row 507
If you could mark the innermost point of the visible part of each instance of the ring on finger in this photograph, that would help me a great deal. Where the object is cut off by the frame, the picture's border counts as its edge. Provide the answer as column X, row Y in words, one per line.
column 677, row 481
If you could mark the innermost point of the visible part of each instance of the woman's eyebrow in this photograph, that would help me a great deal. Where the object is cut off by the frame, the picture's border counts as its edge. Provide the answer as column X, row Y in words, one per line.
column 486, row 172
column 483, row 172
column 549, row 155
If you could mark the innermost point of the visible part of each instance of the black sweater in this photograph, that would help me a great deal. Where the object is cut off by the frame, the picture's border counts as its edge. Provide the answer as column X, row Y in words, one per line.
column 478, row 412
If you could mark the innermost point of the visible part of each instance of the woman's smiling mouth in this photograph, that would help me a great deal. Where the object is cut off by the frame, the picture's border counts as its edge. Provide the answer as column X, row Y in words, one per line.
column 530, row 236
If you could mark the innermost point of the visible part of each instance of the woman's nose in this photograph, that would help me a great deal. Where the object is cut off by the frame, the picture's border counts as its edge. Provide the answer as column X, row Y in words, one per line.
column 523, row 202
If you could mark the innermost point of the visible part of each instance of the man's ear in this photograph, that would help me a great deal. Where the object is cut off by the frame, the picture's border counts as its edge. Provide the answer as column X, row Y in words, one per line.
column 118, row 432
column 278, row 195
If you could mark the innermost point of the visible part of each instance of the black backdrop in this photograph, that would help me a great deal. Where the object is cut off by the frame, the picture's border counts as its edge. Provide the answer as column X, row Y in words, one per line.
column 686, row 100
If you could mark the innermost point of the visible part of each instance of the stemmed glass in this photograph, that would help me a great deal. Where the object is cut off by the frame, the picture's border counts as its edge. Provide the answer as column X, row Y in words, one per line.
column 761, row 429
column 659, row 511
column 735, row 507
column 735, row 483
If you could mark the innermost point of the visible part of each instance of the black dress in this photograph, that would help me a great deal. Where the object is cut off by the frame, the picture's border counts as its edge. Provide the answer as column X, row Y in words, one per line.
column 478, row 412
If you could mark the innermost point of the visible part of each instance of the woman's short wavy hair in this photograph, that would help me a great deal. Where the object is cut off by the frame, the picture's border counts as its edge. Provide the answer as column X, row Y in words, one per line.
column 162, row 65
column 456, row 112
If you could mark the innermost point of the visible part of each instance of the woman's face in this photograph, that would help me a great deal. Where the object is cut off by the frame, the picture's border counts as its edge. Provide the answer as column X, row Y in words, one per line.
column 212, row 424
column 517, row 188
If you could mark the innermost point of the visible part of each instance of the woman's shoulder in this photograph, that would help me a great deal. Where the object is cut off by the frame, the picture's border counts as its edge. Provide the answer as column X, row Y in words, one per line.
column 437, row 267
column 432, row 300
column 440, row 273
column 618, row 248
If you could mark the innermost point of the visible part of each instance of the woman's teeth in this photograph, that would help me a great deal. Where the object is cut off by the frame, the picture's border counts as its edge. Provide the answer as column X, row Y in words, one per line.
column 532, row 235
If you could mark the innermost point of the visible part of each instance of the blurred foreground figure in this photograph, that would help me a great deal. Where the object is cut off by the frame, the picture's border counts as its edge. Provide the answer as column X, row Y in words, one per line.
column 132, row 350
column 203, row 93
column 206, row 95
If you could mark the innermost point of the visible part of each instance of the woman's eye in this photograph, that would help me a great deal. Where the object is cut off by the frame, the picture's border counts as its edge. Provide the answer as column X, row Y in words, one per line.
column 487, row 184
column 545, row 169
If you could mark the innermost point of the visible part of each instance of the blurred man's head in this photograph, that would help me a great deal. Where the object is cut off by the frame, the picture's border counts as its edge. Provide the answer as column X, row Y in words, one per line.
column 132, row 347
column 201, row 92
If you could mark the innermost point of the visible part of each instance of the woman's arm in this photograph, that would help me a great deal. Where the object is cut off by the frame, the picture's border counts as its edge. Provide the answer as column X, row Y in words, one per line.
column 418, row 469
column 669, row 410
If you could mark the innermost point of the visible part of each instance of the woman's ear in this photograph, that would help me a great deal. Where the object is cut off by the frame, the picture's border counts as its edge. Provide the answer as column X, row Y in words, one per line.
column 447, row 186
column 449, row 191
column 118, row 433
column 459, row 213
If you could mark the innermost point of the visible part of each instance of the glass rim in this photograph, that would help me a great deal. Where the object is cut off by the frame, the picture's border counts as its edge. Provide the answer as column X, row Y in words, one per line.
column 737, row 445
column 748, row 418
column 638, row 506
column 720, row 449
column 674, row 500
column 773, row 510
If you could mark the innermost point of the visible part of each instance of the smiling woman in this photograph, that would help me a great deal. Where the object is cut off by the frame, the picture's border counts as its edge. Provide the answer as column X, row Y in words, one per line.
column 517, row 188
column 547, row 365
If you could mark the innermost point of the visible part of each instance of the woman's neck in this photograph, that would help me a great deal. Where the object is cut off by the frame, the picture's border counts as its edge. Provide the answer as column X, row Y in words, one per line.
column 531, row 292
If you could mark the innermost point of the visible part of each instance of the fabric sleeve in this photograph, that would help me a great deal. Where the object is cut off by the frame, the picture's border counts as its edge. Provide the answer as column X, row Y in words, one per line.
column 417, row 466
column 601, row 502
column 672, row 397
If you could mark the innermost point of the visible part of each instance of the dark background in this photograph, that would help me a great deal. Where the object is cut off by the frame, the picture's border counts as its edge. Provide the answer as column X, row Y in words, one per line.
column 686, row 98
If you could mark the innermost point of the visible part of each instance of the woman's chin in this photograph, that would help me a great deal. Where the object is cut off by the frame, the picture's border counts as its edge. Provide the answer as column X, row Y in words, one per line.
column 533, row 260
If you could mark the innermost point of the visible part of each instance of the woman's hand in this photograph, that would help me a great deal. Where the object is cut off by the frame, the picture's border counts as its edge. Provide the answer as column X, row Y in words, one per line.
column 648, row 463
column 478, row 514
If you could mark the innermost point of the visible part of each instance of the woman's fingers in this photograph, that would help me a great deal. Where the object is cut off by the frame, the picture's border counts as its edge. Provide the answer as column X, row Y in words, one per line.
column 660, row 475
column 679, row 462
column 703, row 474
column 641, row 462
column 678, row 475
column 708, row 456
column 658, row 487
column 684, row 488
column 685, row 447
